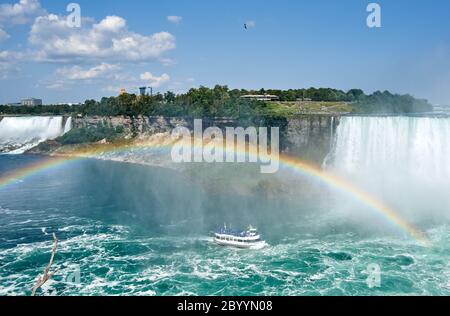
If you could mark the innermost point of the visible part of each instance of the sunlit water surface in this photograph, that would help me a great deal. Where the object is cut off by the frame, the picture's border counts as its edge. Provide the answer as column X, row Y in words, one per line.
column 137, row 230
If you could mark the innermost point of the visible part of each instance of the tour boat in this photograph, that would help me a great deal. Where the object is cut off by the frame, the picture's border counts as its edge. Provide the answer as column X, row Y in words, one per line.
column 248, row 239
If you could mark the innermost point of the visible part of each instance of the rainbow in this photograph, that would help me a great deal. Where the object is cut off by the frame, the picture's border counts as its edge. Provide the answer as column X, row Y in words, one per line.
column 355, row 192
column 34, row 168
column 296, row 165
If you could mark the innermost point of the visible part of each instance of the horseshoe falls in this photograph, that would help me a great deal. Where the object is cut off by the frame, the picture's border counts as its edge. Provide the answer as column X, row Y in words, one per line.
column 402, row 160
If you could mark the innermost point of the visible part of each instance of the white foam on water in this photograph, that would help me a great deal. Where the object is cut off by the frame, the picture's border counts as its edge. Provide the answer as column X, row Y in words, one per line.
column 19, row 134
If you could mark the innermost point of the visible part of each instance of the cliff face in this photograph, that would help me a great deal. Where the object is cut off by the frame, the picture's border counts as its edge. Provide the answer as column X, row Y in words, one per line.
column 309, row 137
column 141, row 125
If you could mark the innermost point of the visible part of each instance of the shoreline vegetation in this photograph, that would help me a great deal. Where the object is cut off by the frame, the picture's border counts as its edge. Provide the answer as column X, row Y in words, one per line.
column 221, row 101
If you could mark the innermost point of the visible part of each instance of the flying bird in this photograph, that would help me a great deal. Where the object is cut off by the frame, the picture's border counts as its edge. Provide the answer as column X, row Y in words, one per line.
column 245, row 26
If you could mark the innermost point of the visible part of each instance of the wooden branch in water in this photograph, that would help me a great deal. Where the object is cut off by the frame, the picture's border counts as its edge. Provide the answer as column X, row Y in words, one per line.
column 42, row 279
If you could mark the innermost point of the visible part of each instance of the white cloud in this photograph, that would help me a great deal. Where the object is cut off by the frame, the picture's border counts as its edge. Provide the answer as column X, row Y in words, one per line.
column 3, row 35
column 66, row 77
column 7, row 69
column 116, row 89
column 131, row 82
column 20, row 13
column 108, row 40
column 167, row 61
column 56, row 86
column 174, row 19
column 155, row 81
column 10, row 56
column 8, row 63
column 111, row 24
column 78, row 73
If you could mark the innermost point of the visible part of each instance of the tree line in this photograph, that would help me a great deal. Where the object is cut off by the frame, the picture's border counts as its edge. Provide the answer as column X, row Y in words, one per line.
column 221, row 101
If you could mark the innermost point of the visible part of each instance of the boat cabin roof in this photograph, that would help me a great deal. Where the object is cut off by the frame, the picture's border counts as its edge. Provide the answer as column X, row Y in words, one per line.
column 235, row 233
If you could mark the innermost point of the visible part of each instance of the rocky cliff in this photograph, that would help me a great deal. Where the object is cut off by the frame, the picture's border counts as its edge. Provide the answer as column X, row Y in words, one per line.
column 309, row 136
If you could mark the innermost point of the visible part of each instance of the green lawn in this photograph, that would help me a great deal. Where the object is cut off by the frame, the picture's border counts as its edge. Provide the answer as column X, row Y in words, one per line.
column 280, row 108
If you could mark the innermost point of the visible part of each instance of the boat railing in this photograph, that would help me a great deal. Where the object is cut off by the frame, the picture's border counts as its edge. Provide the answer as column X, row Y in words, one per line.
column 237, row 239
column 232, row 232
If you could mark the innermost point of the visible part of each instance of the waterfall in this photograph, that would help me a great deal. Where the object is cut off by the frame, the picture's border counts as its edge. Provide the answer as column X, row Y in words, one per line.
column 68, row 125
column 405, row 161
column 18, row 134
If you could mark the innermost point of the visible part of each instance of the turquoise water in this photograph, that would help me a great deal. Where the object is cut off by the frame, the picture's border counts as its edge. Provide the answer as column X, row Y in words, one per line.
column 136, row 230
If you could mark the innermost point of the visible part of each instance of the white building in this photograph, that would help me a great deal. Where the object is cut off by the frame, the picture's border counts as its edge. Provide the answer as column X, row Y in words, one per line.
column 31, row 102
column 260, row 97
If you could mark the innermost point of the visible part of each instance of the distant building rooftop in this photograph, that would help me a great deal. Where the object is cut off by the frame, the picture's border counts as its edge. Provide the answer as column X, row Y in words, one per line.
column 260, row 97
column 31, row 102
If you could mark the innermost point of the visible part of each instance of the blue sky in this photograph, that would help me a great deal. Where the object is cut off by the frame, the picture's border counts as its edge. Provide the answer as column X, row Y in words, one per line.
column 289, row 44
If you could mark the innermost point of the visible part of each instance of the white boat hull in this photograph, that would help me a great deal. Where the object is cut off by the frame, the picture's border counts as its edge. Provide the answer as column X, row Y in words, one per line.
column 241, row 245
